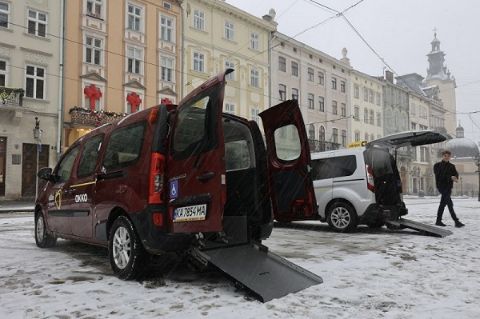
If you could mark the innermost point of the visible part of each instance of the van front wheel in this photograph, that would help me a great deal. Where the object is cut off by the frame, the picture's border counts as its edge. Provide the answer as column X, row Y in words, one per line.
column 125, row 250
column 342, row 217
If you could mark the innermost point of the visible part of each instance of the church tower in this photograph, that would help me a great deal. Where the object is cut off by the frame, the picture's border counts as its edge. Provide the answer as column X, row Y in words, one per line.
column 438, row 75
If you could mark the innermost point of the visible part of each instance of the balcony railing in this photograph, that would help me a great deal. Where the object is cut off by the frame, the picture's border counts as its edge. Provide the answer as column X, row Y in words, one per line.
column 320, row 146
column 84, row 117
column 11, row 96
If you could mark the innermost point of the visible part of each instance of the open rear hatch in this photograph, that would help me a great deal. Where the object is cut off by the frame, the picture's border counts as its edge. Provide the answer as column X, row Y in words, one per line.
column 412, row 138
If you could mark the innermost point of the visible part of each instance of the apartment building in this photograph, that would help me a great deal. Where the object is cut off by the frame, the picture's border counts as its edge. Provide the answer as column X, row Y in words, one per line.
column 120, row 57
column 29, row 92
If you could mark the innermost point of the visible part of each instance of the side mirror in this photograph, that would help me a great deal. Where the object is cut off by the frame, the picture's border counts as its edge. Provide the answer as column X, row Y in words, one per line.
column 46, row 174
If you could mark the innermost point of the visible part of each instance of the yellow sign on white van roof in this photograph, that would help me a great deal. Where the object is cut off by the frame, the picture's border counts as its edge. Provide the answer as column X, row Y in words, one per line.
column 357, row 144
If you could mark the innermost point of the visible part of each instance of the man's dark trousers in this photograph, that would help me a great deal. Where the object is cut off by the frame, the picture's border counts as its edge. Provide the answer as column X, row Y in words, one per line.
column 446, row 201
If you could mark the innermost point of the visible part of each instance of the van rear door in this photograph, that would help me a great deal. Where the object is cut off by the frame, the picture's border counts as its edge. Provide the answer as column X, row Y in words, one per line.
column 196, row 165
column 288, row 153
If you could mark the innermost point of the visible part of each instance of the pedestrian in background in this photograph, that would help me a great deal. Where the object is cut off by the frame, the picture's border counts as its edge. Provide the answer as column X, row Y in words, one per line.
column 445, row 175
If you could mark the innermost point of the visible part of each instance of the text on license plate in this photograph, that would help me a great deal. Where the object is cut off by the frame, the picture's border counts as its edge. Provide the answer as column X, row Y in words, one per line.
column 190, row 213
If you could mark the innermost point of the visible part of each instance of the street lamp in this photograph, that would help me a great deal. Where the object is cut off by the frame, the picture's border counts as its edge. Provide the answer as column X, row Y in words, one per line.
column 37, row 136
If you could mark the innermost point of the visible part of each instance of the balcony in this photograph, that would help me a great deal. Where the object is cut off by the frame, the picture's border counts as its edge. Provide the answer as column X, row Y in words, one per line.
column 85, row 117
column 11, row 97
column 320, row 146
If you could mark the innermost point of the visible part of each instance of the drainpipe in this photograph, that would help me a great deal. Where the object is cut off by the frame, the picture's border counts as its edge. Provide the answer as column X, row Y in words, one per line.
column 61, row 84
column 270, row 52
column 182, row 68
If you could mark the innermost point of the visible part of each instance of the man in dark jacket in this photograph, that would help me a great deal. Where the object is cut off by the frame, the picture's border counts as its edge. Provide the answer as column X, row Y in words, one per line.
column 445, row 175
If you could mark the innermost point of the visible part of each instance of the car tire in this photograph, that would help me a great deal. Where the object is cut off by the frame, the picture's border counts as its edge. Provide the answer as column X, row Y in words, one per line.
column 43, row 237
column 342, row 217
column 125, row 251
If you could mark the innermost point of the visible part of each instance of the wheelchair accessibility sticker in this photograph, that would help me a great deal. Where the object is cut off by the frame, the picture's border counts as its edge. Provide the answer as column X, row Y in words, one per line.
column 173, row 189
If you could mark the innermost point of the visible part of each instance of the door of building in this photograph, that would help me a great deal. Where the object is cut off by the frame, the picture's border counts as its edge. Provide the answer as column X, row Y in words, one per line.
column 3, row 164
column 29, row 167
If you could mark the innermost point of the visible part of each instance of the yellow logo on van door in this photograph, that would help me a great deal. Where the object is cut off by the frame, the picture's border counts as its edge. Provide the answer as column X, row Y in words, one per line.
column 58, row 198
column 357, row 144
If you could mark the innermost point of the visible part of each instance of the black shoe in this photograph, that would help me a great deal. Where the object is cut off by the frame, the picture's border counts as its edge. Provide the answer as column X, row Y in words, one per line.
column 459, row 224
column 439, row 223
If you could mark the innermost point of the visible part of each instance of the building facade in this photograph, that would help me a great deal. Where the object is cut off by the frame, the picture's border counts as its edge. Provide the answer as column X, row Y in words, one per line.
column 120, row 57
column 366, row 123
column 218, row 36
column 321, row 85
column 30, row 80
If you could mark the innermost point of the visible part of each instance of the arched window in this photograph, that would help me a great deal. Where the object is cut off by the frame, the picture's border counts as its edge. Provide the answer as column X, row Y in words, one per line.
column 311, row 132
column 321, row 134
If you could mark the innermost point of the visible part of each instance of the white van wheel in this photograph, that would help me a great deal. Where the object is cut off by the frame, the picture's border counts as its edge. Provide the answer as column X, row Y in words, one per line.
column 342, row 217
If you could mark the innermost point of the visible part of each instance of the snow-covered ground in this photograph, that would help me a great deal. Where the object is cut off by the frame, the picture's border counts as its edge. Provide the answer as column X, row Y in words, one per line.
column 368, row 274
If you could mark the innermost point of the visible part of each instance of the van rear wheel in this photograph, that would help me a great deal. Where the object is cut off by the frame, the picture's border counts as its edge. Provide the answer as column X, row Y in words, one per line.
column 125, row 251
column 342, row 217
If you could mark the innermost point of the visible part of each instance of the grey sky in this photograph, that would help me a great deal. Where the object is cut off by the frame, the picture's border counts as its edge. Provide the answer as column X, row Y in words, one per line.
column 401, row 31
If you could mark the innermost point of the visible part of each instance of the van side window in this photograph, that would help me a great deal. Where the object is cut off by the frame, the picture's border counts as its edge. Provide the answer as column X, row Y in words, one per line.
column 88, row 160
column 64, row 169
column 237, row 155
column 124, row 146
column 333, row 167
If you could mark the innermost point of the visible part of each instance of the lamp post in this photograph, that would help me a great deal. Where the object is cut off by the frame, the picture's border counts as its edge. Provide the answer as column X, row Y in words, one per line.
column 37, row 136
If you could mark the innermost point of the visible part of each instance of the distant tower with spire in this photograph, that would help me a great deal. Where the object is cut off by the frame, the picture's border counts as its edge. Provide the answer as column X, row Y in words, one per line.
column 439, row 75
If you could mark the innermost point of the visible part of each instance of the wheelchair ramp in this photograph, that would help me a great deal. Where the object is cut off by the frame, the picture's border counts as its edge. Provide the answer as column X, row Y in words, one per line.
column 266, row 274
column 423, row 228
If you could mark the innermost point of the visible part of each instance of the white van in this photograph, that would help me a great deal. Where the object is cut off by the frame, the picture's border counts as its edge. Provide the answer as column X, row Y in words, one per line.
column 362, row 185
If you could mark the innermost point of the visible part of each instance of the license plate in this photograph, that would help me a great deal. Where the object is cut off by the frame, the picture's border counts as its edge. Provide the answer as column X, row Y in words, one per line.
column 190, row 213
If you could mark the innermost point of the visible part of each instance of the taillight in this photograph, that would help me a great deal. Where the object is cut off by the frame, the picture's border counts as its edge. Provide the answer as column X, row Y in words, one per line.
column 370, row 182
column 157, row 165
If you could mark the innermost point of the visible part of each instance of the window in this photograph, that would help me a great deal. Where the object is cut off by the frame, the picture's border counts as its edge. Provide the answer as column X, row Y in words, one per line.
column 134, row 60
column 4, row 14
column 365, row 115
column 198, row 62
column 413, row 126
column 311, row 101
column 230, row 108
column 199, row 20
column 282, row 64
column 310, row 75
column 124, row 146
column 287, row 143
column 229, row 31
column 88, row 160
column 64, row 169
column 365, row 94
column 254, row 114
column 37, row 23
column 379, row 119
column 321, row 104
column 370, row 96
column 334, row 83
column 378, row 99
column 3, row 73
column 342, row 86
column 35, row 82
column 366, row 137
column 424, row 154
column 254, row 78
column 356, row 91
column 94, row 8
column 343, row 109
column 321, row 78
column 334, row 107
column 311, row 132
column 282, row 92
column 230, row 65
column 344, row 138
column 372, row 117
column 321, row 134
column 93, row 50
column 294, row 68
column 134, row 18
column 237, row 155
column 166, row 25
column 335, row 135
column 294, row 94
column 357, row 136
column 356, row 113
column 167, row 69
column 254, row 41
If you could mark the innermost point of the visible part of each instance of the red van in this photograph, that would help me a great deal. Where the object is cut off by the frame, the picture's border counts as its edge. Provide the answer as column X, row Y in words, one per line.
column 172, row 179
